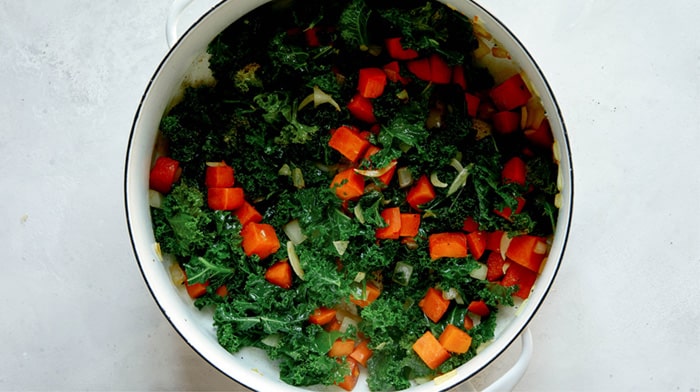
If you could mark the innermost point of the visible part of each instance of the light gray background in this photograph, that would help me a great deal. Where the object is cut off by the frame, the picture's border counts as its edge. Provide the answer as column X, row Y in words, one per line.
column 623, row 313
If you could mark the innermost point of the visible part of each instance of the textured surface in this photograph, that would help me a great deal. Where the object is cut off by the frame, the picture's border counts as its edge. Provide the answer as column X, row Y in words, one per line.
column 622, row 314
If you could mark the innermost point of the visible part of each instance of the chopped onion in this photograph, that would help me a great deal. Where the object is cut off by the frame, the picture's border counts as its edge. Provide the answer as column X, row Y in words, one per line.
column 540, row 248
column 359, row 277
column 341, row 247
column 557, row 200
column 159, row 252
column 460, row 180
column 294, row 260
column 318, row 97
column 285, row 170
column 216, row 164
column 404, row 176
column 376, row 172
column 456, row 164
column 298, row 178
column 177, row 275
column 436, row 181
column 479, row 273
column 155, row 198
column 293, row 231
column 346, row 322
column 402, row 273
column 505, row 243
column 555, row 152
column 560, row 179
column 272, row 340
column 359, row 215
column 449, row 294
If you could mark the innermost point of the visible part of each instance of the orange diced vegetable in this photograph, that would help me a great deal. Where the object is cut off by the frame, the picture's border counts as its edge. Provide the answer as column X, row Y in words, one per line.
column 528, row 251
column 219, row 176
column 454, row 340
column 348, row 184
column 433, row 304
column 259, row 239
column 247, row 213
column 196, row 290
column 476, row 242
column 348, row 142
column 322, row 316
column 507, row 212
column 362, row 353
column 164, row 173
column 430, row 350
column 225, row 199
column 350, row 380
column 392, row 217
column 447, row 245
column 280, row 274
column 371, row 82
column 370, row 294
column 221, row 291
column 342, row 348
column 410, row 223
column 420, row 193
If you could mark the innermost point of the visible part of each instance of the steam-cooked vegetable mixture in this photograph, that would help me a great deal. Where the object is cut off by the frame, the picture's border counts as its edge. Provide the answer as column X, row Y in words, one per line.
column 354, row 193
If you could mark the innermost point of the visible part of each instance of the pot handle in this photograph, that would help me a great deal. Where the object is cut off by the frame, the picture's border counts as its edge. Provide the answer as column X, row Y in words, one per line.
column 174, row 12
column 510, row 379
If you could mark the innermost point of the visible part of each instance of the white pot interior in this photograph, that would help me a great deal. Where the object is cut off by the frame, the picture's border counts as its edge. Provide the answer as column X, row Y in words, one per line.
column 251, row 367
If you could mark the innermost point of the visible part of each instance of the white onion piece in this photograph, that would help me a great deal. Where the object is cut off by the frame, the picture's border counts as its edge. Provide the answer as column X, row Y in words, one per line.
column 540, row 248
column 298, row 178
column 450, row 294
column 436, row 181
column 177, row 275
column 155, row 198
column 359, row 215
column 555, row 152
column 294, row 260
column 456, row 164
column 285, row 170
column 479, row 273
column 318, row 97
column 293, row 231
column 341, row 247
column 360, row 277
column 404, row 176
column 271, row 340
column 460, row 180
column 346, row 322
column 216, row 164
column 557, row 200
column 376, row 172
column 159, row 252
column 402, row 273
column 505, row 243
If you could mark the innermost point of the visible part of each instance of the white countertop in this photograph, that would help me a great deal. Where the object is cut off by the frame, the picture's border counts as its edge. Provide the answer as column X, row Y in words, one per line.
column 623, row 313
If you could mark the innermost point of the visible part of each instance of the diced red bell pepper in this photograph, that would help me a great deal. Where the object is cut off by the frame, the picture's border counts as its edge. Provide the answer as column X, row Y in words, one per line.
column 506, row 121
column 472, row 104
column 165, row 172
column 470, row 225
column 397, row 51
column 393, row 72
column 541, row 136
column 514, row 171
column 440, row 72
column 371, row 82
column 479, row 307
column 458, row 76
column 361, row 108
column 507, row 212
column 493, row 240
column 311, row 36
column 420, row 68
column 520, row 276
column 494, row 266
column 511, row 93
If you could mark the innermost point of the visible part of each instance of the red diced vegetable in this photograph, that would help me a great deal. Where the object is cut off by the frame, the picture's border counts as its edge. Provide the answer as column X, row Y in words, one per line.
column 165, row 172
column 392, row 217
column 348, row 142
column 470, row 225
column 506, row 121
column 479, row 307
column 410, row 223
column 528, row 251
column 507, row 212
column 493, row 240
column 311, row 36
column 440, row 72
column 520, row 276
column 494, row 266
column 540, row 136
column 259, row 239
column 397, row 51
column 458, row 76
column 393, row 72
column 447, row 245
column 514, row 171
column 486, row 110
column 433, row 304
column 221, row 291
column 472, row 104
column 247, row 213
column 371, row 82
column 322, row 316
column 280, row 274
column 362, row 109
column 476, row 242
column 196, row 290
column 420, row 193
column 511, row 94
column 348, row 184
column 455, row 340
column 225, row 199
column 430, row 350
column 219, row 176
column 420, row 68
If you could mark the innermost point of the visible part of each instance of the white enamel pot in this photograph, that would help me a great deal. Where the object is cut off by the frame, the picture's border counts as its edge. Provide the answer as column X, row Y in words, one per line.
column 251, row 367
